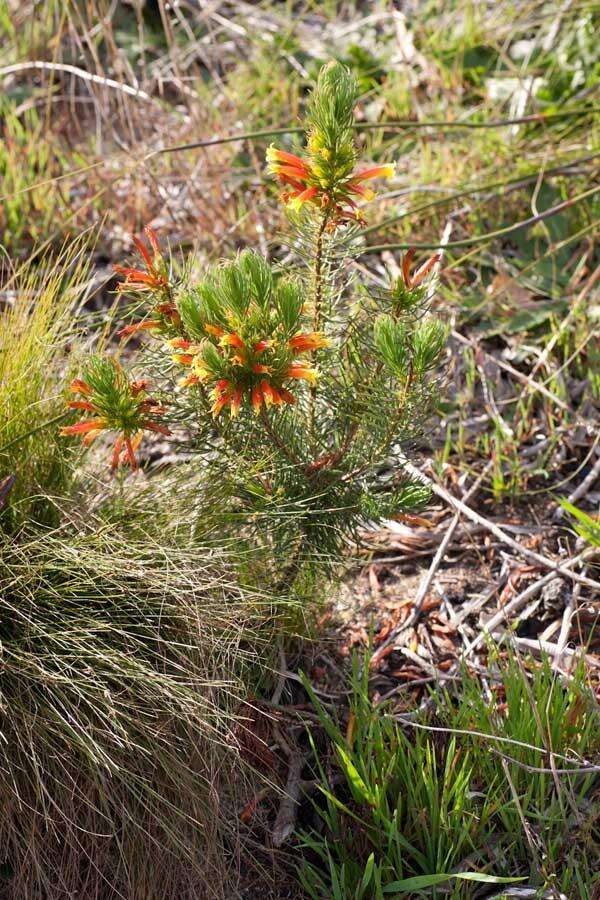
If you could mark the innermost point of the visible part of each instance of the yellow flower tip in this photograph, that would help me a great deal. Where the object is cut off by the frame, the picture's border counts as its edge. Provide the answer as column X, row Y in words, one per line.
column 235, row 403
column 214, row 329
column 183, row 359
column 199, row 370
column 296, row 201
column 312, row 340
column 232, row 340
column 267, row 393
column 272, row 154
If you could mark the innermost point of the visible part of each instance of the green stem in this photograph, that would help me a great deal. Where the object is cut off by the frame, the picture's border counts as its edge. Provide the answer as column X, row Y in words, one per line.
column 318, row 274
column 276, row 440
column 317, row 309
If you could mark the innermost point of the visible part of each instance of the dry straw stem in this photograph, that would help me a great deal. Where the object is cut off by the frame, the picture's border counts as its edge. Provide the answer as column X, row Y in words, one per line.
column 80, row 73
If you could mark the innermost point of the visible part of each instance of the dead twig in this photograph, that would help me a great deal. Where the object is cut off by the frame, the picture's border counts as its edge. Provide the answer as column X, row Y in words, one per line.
column 542, row 770
column 427, row 581
column 565, row 628
column 79, row 73
column 561, row 569
column 552, row 649
column 514, row 605
column 288, row 808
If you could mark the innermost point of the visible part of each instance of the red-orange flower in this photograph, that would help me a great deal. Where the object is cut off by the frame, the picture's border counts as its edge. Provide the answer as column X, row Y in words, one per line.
column 412, row 281
column 130, row 414
column 164, row 316
column 302, row 370
column 153, row 278
column 306, row 181
column 232, row 340
column 308, row 341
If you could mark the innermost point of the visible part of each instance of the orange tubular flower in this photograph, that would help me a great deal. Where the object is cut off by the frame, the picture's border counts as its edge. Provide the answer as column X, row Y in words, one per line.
column 261, row 346
column 80, row 404
column 179, row 344
column 302, row 370
column 153, row 279
column 222, row 394
column 89, row 429
column 268, row 393
column 354, row 186
column 214, row 329
column 184, row 359
column 232, row 340
column 235, row 402
column 412, row 281
column 257, row 398
column 304, row 181
column 312, row 340
column 259, row 369
column 78, row 386
column 146, row 325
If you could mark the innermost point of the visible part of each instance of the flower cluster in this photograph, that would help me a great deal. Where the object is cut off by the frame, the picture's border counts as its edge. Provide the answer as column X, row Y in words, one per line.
column 245, row 337
column 117, row 405
column 325, row 177
column 154, row 280
column 305, row 182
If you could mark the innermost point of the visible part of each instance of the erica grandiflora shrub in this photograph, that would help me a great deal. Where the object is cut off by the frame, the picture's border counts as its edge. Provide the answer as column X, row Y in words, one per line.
column 296, row 386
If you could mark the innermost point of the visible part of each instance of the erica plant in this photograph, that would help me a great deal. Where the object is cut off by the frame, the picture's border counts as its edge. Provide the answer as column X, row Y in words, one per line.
column 296, row 387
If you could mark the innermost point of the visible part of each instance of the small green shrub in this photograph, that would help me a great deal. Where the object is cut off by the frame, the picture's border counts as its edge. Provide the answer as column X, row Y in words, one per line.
column 291, row 387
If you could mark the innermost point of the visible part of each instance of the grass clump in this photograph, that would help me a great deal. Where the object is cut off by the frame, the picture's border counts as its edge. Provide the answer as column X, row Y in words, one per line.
column 460, row 796
column 121, row 670
column 37, row 327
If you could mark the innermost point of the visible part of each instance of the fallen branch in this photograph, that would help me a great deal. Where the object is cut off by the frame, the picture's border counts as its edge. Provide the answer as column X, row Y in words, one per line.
column 288, row 808
column 562, row 569
column 79, row 73
column 516, row 604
